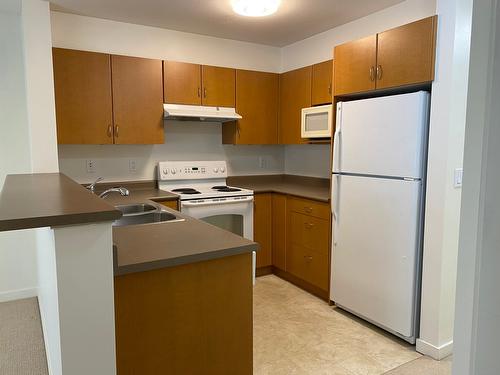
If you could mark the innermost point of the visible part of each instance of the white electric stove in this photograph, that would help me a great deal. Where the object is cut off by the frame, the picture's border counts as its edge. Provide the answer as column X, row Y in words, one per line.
column 204, row 194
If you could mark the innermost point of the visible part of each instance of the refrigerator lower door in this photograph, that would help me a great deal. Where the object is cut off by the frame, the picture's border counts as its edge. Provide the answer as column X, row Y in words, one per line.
column 376, row 247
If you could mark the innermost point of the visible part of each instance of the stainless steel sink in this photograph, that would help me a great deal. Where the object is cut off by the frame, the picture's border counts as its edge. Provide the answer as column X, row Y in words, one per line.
column 132, row 209
column 135, row 214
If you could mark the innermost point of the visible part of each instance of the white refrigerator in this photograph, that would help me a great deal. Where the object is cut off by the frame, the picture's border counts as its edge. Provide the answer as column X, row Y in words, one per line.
column 380, row 153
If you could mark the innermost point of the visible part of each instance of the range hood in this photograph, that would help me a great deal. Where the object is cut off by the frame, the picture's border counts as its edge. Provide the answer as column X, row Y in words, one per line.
column 199, row 113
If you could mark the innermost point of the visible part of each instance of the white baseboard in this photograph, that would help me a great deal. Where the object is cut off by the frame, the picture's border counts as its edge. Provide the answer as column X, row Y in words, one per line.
column 438, row 353
column 12, row 295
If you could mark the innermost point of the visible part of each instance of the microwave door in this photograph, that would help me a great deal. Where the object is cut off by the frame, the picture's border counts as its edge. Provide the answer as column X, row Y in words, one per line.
column 316, row 122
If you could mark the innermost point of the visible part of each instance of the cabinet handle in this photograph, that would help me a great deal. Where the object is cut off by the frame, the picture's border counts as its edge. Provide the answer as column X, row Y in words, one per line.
column 308, row 209
column 238, row 130
column 379, row 72
column 308, row 225
column 330, row 88
column 204, row 92
column 372, row 73
column 308, row 258
column 109, row 130
column 117, row 133
column 199, row 92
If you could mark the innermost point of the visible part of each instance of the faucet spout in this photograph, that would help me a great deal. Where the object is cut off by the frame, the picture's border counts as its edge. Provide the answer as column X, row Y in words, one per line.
column 121, row 190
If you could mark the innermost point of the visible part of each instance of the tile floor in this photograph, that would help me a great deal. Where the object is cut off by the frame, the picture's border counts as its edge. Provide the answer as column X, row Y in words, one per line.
column 296, row 333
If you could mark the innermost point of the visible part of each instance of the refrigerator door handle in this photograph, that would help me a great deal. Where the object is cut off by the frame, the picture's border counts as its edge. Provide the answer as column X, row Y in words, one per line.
column 336, row 196
column 337, row 139
column 335, row 208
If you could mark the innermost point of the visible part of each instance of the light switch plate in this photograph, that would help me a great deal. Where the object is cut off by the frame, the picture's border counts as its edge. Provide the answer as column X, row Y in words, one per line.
column 457, row 178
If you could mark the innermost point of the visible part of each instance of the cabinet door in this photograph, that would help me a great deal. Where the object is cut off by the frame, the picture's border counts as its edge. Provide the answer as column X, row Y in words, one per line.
column 137, row 100
column 262, row 228
column 181, row 83
column 82, row 85
column 219, row 86
column 406, row 54
column 295, row 94
column 279, row 231
column 322, row 81
column 355, row 65
column 257, row 102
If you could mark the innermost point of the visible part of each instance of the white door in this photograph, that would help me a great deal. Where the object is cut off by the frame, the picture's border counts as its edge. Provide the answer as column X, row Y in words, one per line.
column 382, row 136
column 375, row 249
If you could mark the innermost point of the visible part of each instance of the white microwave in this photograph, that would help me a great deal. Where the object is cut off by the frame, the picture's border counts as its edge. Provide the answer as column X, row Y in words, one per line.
column 317, row 122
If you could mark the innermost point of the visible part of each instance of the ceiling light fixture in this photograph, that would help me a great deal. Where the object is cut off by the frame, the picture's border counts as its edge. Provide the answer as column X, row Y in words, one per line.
column 255, row 8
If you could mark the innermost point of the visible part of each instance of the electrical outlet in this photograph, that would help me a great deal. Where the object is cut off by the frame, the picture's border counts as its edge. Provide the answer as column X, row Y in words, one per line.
column 262, row 162
column 132, row 165
column 91, row 167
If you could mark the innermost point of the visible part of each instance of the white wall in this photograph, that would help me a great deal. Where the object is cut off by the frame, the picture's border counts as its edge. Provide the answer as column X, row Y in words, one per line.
column 477, row 325
column 99, row 35
column 183, row 141
column 446, row 145
column 18, row 276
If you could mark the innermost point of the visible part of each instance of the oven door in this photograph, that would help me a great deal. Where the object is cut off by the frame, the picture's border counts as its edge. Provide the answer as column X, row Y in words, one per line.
column 233, row 214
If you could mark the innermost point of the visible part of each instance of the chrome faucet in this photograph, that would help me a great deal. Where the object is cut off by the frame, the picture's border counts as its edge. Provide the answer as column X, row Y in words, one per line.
column 91, row 187
column 123, row 192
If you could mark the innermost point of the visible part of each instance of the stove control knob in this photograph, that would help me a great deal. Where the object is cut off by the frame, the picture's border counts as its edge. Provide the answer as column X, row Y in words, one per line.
column 165, row 171
column 216, row 170
column 222, row 169
column 174, row 171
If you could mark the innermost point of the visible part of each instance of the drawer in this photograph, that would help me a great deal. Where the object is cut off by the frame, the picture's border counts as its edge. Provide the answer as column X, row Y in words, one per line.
column 310, row 207
column 308, row 265
column 310, row 232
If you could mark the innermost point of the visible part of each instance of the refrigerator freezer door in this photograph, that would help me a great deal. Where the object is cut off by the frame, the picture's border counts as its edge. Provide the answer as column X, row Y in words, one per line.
column 382, row 136
column 375, row 249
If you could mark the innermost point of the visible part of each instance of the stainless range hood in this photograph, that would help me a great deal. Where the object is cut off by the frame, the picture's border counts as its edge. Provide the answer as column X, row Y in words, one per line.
column 199, row 113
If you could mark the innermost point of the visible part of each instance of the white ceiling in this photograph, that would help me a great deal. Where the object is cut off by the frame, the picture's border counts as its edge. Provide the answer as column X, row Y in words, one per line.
column 294, row 21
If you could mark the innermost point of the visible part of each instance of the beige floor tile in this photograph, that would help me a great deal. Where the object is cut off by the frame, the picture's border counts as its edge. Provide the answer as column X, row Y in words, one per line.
column 297, row 333
column 424, row 366
column 363, row 365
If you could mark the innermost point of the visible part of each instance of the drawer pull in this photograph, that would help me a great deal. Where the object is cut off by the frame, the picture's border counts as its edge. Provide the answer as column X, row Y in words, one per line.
column 308, row 209
column 308, row 258
column 308, row 225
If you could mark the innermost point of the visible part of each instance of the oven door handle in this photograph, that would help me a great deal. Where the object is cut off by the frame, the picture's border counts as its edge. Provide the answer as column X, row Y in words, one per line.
column 214, row 203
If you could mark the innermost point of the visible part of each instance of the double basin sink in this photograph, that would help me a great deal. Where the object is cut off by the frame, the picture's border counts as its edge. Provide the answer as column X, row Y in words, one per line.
column 143, row 213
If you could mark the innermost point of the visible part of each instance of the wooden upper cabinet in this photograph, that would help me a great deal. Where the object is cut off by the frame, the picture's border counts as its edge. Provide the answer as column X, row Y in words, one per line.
column 181, row 83
column 219, row 86
column 262, row 228
column 137, row 100
column 257, row 102
column 355, row 66
column 406, row 54
column 322, row 84
column 295, row 94
column 82, row 84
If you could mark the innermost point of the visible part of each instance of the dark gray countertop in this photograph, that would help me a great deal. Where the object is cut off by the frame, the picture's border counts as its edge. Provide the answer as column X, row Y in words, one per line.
column 49, row 200
column 147, row 247
column 300, row 186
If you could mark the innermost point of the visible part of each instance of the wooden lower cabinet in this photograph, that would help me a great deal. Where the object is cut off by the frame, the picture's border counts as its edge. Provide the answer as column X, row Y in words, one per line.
column 190, row 319
column 279, row 231
column 299, row 234
column 309, row 265
column 262, row 228
column 173, row 204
